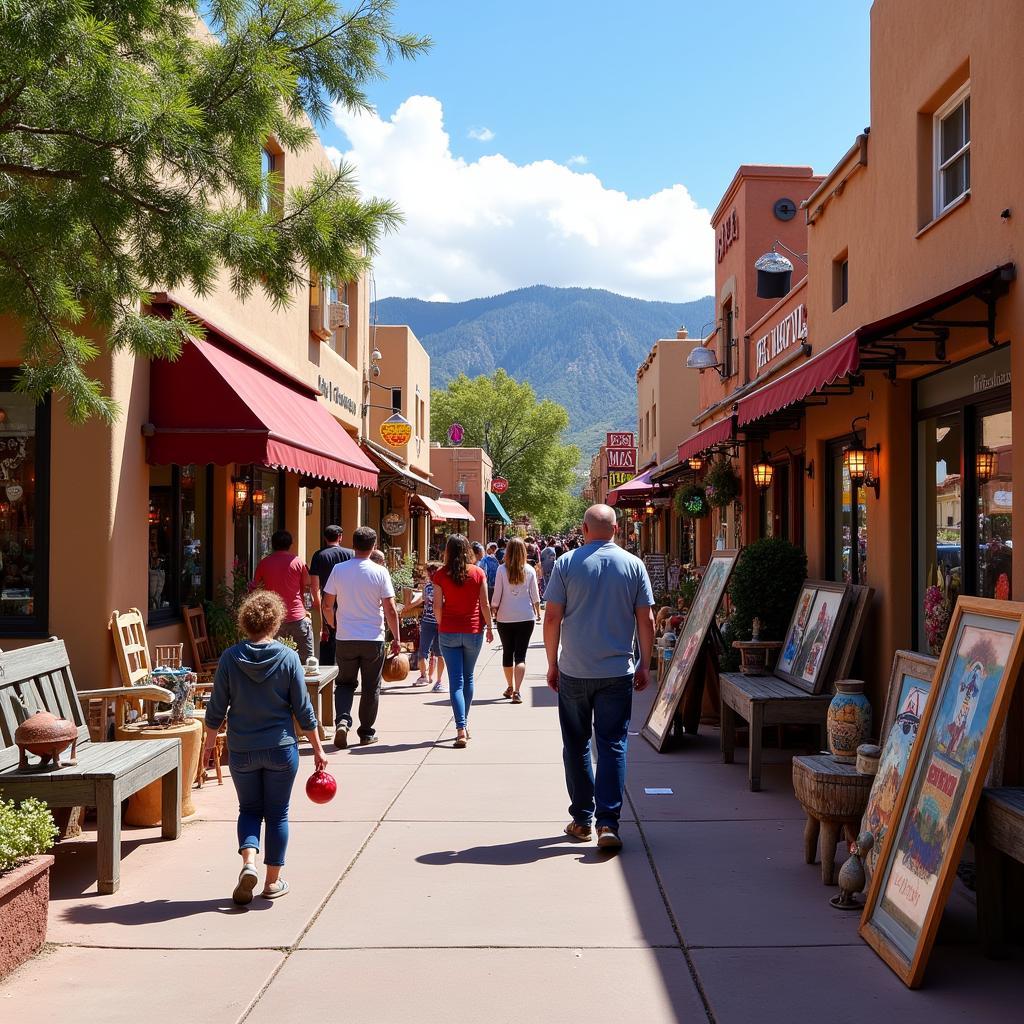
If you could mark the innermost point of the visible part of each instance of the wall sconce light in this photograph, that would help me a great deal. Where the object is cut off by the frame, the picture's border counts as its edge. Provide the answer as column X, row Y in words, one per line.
column 695, row 462
column 258, row 497
column 701, row 359
column 309, row 504
column 764, row 471
column 649, row 509
column 985, row 464
column 855, row 461
column 240, row 494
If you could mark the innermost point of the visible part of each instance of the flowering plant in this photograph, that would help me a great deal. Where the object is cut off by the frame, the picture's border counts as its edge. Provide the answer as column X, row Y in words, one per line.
column 692, row 502
column 721, row 482
column 939, row 599
column 24, row 831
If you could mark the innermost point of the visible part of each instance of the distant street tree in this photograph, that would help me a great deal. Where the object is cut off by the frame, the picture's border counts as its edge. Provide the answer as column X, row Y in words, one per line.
column 522, row 436
column 131, row 146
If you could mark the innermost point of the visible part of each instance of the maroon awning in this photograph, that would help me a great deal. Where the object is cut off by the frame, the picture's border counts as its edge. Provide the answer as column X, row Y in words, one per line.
column 211, row 405
column 639, row 487
column 717, row 433
column 824, row 369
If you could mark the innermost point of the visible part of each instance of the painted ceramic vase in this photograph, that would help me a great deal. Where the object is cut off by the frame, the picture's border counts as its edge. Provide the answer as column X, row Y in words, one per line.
column 849, row 720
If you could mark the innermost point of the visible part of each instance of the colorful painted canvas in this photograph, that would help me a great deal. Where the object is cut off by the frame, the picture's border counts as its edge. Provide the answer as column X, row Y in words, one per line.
column 797, row 628
column 691, row 640
column 807, row 649
column 928, row 821
column 899, row 741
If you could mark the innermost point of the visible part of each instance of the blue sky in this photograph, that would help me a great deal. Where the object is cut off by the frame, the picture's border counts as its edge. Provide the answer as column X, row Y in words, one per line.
column 647, row 98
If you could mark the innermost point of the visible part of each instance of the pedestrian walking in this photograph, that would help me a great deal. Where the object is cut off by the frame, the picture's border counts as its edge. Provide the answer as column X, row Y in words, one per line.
column 260, row 689
column 460, row 604
column 287, row 576
column 429, row 654
column 320, row 566
column 478, row 552
column 516, row 607
column 357, row 599
column 599, row 605
column 547, row 563
column 489, row 563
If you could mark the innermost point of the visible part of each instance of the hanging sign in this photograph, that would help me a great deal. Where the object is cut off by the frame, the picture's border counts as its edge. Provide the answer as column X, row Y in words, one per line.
column 396, row 430
column 620, row 439
column 621, row 458
column 456, row 434
column 393, row 524
column 499, row 485
column 617, row 477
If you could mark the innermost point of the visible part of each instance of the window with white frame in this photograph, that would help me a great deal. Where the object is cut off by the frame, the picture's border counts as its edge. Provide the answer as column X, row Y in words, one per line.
column 953, row 150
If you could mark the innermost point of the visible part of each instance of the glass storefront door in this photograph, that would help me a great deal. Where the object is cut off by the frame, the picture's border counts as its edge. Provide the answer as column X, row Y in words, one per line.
column 847, row 551
column 994, row 484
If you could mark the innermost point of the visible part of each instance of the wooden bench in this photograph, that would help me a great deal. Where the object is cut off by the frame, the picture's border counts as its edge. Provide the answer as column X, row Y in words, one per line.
column 39, row 678
column 998, row 834
column 761, row 701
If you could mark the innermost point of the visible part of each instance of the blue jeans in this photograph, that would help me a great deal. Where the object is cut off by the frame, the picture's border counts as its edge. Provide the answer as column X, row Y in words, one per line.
column 601, row 707
column 428, row 644
column 460, row 651
column 263, row 781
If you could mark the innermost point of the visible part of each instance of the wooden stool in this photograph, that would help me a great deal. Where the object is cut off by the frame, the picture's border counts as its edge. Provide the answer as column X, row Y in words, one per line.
column 834, row 797
column 218, row 756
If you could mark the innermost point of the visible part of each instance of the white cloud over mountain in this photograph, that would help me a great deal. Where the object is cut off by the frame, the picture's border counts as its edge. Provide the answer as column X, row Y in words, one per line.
column 489, row 225
column 481, row 134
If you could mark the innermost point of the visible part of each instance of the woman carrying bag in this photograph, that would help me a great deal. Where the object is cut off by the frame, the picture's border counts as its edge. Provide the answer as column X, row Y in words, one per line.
column 461, row 609
column 516, row 606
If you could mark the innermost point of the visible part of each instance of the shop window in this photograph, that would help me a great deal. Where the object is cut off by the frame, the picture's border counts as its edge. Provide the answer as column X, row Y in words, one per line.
column 396, row 399
column 262, row 514
column 330, row 507
column 840, row 281
column 180, row 528
column 726, row 354
column 993, row 449
column 952, row 150
column 272, row 169
column 654, row 421
column 24, row 508
column 847, row 551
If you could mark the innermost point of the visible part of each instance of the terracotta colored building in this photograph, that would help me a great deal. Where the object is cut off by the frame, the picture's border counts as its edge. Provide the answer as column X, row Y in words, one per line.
column 464, row 476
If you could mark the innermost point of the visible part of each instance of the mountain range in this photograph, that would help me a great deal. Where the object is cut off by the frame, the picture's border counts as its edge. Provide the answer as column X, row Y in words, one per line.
column 577, row 346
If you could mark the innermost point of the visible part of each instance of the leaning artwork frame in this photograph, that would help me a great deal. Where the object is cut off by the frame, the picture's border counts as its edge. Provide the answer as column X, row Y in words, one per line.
column 956, row 740
column 910, row 682
column 689, row 645
column 805, row 659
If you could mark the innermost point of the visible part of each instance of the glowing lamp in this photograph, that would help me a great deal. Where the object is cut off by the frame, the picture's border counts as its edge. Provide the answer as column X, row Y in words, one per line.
column 855, row 461
column 241, row 494
column 258, row 497
column 985, row 465
column 763, row 473
column 695, row 462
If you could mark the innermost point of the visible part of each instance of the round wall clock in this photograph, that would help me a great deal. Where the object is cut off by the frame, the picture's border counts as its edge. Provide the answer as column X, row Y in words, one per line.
column 785, row 209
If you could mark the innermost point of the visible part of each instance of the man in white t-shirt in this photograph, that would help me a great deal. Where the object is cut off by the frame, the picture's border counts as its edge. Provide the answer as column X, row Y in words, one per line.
column 358, row 596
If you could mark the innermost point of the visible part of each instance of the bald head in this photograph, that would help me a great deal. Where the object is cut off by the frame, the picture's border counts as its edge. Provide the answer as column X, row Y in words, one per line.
column 599, row 522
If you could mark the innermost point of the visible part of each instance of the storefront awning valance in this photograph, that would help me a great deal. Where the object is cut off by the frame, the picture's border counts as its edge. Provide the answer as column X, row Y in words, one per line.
column 210, row 405
column 431, row 506
column 393, row 472
column 493, row 509
column 637, row 488
column 718, row 433
column 451, row 509
column 824, row 369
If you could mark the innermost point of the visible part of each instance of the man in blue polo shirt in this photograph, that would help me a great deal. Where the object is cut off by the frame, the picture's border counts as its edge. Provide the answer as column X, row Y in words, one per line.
column 599, row 602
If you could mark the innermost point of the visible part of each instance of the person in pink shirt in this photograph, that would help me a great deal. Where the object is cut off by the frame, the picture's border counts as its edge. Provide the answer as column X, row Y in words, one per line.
column 287, row 576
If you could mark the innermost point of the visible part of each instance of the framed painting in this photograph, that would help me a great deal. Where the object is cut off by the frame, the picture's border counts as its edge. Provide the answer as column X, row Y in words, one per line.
column 812, row 636
column 689, row 645
column 956, row 739
column 856, row 616
column 910, row 682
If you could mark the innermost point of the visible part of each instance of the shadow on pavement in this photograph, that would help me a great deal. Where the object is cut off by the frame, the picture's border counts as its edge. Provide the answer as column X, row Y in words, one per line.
column 526, row 851
column 157, row 911
column 388, row 748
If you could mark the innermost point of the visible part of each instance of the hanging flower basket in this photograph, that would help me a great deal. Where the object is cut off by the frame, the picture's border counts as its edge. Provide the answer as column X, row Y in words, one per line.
column 692, row 502
column 721, row 483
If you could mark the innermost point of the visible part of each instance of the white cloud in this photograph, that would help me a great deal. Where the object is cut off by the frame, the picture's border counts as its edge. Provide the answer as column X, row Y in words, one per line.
column 485, row 226
column 333, row 154
column 481, row 134
column 579, row 160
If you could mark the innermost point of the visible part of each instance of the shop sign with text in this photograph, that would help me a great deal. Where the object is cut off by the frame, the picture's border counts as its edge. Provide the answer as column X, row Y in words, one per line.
column 620, row 439
column 334, row 394
column 395, row 431
column 728, row 233
column 790, row 330
column 616, row 478
column 499, row 485
column 393, row 524
column 621, row 458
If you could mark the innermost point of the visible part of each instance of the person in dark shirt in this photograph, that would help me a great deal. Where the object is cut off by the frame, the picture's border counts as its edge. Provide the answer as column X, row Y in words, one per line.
column 320, row 567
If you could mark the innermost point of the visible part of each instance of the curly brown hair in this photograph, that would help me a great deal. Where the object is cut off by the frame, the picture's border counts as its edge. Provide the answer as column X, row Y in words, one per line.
column 261, row 614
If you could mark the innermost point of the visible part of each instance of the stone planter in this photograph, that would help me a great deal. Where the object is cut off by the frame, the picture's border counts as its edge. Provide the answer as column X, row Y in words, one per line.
column 24, row 901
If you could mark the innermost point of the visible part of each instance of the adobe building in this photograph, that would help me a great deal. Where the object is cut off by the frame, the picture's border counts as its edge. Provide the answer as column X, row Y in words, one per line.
column 464, row 476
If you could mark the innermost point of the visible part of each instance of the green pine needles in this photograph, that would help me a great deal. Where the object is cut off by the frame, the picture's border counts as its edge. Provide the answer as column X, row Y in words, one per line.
column 131, row 144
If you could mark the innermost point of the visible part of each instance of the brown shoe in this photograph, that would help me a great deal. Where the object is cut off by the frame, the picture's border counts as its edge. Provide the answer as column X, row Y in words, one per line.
column 517, row 698
column 608, row 839
column 577, row 831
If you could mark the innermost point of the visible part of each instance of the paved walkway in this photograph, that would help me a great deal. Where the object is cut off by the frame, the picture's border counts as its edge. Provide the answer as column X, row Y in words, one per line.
column 438, row 887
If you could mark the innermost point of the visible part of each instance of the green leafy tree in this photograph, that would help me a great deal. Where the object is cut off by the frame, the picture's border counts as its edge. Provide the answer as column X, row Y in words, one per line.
column 522, row 436
column 131, row 142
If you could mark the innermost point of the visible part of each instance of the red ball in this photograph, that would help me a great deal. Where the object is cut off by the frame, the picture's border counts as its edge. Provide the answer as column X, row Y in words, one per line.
column 321, row 787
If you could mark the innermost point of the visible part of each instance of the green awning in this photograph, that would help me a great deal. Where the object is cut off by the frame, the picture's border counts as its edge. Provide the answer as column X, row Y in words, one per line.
column 493, row 509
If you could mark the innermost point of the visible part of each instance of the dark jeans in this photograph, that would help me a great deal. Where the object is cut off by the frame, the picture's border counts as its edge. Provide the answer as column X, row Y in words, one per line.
column 263, row 781
column 301, row 631
column 360, row 662
column 515, row 639
column 601, row 707
column 327, row 647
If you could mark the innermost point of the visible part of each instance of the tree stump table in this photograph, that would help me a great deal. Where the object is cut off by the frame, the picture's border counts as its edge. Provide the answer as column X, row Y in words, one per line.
column 834, row 797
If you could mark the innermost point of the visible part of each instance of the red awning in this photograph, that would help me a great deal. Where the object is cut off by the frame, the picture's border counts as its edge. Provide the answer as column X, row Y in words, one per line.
column 639, row 487
column 431, row 506
column 451, row 509
column 824, row 369
column 211, row 405
column 695, row 444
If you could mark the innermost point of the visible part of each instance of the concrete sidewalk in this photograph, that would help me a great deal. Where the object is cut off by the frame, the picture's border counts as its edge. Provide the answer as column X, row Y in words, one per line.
column 438, row 887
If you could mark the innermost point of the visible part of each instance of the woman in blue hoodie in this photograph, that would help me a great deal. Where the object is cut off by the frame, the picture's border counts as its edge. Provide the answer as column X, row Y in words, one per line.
column 260, row 688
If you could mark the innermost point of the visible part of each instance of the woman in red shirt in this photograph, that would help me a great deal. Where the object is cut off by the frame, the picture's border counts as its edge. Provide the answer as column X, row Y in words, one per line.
column 461, row 607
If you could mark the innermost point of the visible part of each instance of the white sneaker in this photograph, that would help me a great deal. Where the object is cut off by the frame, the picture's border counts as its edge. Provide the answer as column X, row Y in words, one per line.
column 421, row 681
column 437, row 687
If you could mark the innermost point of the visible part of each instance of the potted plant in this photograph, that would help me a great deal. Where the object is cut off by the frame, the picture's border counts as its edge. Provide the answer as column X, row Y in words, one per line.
column 721, row 483
column 26, row 833
column 692, row 502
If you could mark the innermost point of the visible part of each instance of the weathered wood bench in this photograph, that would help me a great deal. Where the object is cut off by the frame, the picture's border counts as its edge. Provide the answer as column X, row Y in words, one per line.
column 998, row 834
column 39, row 678
column 761, row 701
